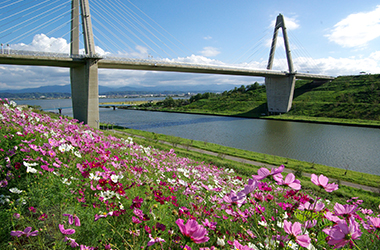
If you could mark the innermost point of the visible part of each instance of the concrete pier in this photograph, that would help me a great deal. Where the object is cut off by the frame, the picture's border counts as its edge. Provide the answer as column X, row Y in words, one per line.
column 280, row 91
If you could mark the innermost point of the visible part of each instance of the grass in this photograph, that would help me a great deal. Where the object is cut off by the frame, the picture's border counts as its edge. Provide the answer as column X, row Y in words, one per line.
column 65, row 185
column 347, row 100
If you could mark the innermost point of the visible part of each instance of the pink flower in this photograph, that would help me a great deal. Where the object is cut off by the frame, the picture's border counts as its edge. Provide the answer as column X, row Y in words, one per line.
column 73, row 217
column 290, row 180
column 239, row 246
column 263, row 172
column 341, row 233
column 250, row 187
column 312, row 206
column 373, row 223
column 197, row 233
column 66, row 231
column 32, row 209
column 154, row 240
column 235, row 199
column 43, row 216
column 322, row 181
column 136, row 220
column 345, row 210
column 294, row 230
column 26, row 232
column 72, row 242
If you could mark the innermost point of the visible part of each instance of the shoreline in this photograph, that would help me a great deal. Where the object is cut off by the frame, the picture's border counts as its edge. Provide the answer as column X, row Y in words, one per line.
column 271, row 118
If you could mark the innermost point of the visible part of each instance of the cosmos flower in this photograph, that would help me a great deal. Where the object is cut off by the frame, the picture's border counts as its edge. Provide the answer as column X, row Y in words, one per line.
column 295, row 232
column 322, row 181
column 343, row 233
column 197, row 233
column 27, row 232
column 264, row 173
column 65, row 231
column 154, row 240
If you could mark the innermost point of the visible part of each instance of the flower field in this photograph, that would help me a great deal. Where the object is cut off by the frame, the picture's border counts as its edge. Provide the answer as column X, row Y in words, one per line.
column 64, row 185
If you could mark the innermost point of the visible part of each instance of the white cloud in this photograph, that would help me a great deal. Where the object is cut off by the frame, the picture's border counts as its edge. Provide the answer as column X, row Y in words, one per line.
column 41, row 42
column 207, row 37
column 356, row 30
column 291, row 23
column 210, row 51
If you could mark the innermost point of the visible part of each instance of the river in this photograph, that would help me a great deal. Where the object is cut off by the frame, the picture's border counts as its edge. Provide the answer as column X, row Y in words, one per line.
column 346, row 147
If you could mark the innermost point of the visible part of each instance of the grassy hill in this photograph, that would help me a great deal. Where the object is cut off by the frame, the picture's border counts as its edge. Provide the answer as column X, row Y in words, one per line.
column 346, row 97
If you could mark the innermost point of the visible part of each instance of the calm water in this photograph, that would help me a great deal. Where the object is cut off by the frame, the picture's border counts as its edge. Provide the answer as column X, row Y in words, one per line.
column 354, row 148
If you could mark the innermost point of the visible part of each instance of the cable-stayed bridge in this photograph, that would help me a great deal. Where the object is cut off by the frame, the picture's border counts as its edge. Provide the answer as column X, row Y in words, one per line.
column 84, row 67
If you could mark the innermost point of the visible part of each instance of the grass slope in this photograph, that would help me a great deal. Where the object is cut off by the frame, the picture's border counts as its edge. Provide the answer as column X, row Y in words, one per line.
column 345, row 100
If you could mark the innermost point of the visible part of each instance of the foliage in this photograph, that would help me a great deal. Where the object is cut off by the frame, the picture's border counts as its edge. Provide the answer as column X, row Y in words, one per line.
column 65, row 185
column 343, row 99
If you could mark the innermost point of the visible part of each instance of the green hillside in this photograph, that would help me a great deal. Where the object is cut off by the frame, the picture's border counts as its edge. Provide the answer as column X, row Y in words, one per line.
column 346, row 97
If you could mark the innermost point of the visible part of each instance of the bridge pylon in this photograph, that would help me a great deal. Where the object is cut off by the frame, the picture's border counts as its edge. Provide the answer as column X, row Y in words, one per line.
column 280, row 90
column 84, row 78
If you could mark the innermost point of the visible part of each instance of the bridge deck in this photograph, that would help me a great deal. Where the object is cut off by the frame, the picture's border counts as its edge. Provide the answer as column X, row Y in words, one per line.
column 61, row 60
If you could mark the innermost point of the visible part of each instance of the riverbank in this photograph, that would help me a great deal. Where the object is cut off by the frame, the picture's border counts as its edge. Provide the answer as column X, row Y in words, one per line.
column 347, row 100
column 262, row 159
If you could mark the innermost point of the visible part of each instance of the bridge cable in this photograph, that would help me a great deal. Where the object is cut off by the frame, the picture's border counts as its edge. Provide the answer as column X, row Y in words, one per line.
column 253, row 47
column 305, row 56
column 27, row 14
column 147, row 29
column 30, row 19
column 10, row 4
column 160, row 27
column 134, row 34
column 43, row 24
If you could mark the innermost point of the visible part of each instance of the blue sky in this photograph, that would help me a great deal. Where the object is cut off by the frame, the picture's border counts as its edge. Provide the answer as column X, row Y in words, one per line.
column 327, row 37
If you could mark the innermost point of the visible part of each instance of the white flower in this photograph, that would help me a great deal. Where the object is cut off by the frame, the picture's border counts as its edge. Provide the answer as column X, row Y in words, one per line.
column 30, row 164
column 66, row 181
column 262, row 223
column 77, row 154
column 114, row 178
column 65, row 147
column 15, row 190
column 109, row 195
column 121, row 206
column 31, row 170
column 94, row 177
column 4, row 199
column 21, row 201
column 220, row 242
column 13, row 103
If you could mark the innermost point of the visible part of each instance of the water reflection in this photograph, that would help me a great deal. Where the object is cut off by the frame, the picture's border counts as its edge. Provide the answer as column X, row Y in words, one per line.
column 354, row 148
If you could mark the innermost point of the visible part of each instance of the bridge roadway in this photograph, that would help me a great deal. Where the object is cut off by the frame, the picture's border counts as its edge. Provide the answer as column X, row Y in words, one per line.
column 64, row 60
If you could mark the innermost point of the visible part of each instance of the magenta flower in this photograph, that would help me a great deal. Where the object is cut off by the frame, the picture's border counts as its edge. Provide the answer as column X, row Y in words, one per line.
column 341, row 233
column 43, row 216
column 264, row 173
column 294, row 230
column 27, row 232
column 345, row 210
column 73, row 218
column 239, row 246
column 72, row 242
column 136, row 220
column 290, row 180
column 235, row 199
column 197, row 233
column 66, row 231
column 322, row 181
column 154, row 240
column 373, row 223
column 250, row 187
column 316, row 206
